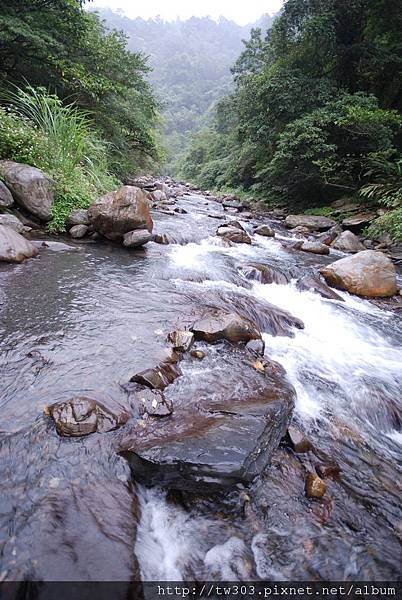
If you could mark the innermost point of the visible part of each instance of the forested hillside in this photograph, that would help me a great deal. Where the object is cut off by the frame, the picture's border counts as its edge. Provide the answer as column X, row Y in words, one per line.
column 75, row 100
column 190, row 62
column 315, row 114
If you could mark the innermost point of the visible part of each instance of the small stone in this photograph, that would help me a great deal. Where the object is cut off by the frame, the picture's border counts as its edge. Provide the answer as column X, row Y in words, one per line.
column 315, row 247
column 78, row 231
column 78, row 216
column 315, row 487
column 265, row 231
column 199, row 354
column 179, row 210
column 256, row 346
column 159, row 377
column 181, row 340
column 154, row 403
column 298, row 441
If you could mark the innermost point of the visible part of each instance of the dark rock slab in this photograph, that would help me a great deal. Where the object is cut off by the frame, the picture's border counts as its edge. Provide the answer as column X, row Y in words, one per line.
column 316, row 284
column 158, row 378
column 223, row 431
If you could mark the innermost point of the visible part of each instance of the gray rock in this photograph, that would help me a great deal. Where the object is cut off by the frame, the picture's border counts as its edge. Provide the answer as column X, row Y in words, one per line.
column 12, row 222
column 78, row 216
column 265, row 230
column 121, row 212
column 78, row 231
column 256, row 347
column 218, row 325
column 315, row 247
column 181, row 340
column 137, row 238
column 13, row 247
column 30, row 187
column 264, row 273
column 81, row 416
column 234, row 234
column 367, row 273
column 315, row 284
column 154, row 403
column 358, row 222
column 348, row 242
column 6, row 198
column 329, row 236
column 311, row 222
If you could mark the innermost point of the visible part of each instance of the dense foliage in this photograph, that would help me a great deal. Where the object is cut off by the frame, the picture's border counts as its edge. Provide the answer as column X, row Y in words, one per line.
column 316, row 104
column 74, row 63
column 190, row 63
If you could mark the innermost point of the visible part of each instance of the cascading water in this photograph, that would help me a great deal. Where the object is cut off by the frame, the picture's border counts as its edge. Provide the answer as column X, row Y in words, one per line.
column 345, row 366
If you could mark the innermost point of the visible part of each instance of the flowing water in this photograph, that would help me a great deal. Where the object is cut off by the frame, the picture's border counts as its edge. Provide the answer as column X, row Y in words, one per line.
column 82, row 322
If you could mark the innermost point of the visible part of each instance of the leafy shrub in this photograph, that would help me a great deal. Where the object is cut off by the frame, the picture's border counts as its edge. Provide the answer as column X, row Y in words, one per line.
column 39, row 130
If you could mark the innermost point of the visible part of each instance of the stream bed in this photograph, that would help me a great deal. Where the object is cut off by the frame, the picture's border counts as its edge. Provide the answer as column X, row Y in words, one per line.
column 82, row 322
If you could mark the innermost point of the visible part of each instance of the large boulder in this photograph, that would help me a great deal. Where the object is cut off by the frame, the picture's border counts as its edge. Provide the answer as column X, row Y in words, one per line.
column 120, row 212
column 81, row 416
column 6, row 198
column 30, row 187
column 12, row 222
column 13, row 247
column 367, row 273
column 348, row 242
column 217, row 325
column 311, row 222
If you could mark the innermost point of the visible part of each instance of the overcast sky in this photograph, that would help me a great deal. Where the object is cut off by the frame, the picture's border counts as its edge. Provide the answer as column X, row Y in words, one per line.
column 241, row 11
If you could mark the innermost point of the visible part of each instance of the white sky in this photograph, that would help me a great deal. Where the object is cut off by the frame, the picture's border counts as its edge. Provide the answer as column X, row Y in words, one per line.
column 241, row 11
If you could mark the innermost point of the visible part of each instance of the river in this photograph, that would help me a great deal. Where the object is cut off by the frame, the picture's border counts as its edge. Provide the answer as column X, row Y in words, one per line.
column 83, row 321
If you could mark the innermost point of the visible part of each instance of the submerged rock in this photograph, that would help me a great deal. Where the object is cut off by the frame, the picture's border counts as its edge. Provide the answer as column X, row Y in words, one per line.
column 311, row 222
column 154, row 403
column 315, row 486
column 265, row 231
column 298, row 441
column 223, row 430
column 264, row 273
column 315, row 284
column 13, row 247
column 198, row 354
column 82, row 416
column 315, row 248
column 367, row 273
column 159, row 377
column 30, row 187
column 348, row 242
column 217, row 325
column 120, row 212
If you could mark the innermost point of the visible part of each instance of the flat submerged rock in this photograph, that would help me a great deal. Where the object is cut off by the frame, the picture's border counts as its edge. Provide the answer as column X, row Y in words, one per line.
column 224, row 429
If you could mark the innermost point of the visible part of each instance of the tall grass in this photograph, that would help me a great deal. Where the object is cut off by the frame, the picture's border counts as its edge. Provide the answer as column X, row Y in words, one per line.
column 72, row 152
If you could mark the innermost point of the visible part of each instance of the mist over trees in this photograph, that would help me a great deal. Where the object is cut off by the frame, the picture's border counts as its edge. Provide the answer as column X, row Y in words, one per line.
column 190, row 63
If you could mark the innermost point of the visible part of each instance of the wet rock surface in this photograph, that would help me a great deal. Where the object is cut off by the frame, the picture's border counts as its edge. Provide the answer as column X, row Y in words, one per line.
column 82, row 416
column 216, row 325
column 80, row 323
